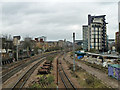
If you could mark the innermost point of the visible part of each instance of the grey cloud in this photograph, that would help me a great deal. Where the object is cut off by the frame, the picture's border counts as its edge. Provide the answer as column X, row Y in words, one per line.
column 119, row 11
column 54, row 20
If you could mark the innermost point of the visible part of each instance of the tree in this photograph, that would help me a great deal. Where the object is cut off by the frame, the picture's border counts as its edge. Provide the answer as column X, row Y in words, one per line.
column 28, row 45
column 36, row 50
column 92, row 50
column 7, row 42
column 79, row 48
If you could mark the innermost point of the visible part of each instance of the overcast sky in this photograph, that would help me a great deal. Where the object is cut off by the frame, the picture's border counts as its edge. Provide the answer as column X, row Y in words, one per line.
column 119, row 11
column 55, row 20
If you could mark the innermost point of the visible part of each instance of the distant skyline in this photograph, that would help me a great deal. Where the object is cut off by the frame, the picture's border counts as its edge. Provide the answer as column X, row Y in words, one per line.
column 55, row 20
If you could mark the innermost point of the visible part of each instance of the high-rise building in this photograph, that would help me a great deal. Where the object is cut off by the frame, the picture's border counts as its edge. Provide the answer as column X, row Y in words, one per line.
column 98, row 36
column 85, row 37
column 95, row 36
column 119, row 33
column 119, row 25
column 119, row 28
column 117, row 42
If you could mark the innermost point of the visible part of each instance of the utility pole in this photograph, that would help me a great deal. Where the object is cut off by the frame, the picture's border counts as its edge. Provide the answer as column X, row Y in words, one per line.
column 57, row 73
column 17, row 52
column 73, row 51
column 64, row 47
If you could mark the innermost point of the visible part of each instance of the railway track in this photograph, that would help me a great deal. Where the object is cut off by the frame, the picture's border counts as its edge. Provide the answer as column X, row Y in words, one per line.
column 21, row 82
column 8, row 67
column 65, row 79
column 10, row 73
column 15, row 70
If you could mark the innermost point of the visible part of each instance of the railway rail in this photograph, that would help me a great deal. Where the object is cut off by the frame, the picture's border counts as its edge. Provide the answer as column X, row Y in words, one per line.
column 14, row 65
column 21, row 82
column 10, row 73
column 15, row 70
column 8, row 67
column 65, row 79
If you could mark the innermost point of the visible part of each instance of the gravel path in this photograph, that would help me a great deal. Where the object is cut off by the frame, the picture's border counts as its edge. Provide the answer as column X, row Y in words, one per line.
column 99, row 74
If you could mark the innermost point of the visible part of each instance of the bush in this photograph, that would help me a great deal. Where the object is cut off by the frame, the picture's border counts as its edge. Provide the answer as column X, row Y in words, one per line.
column 52, row 85
column 51, row 57
column 93, row 50
column 36, row 85
column 50, row 79
column 89, row 81
column 42, row 80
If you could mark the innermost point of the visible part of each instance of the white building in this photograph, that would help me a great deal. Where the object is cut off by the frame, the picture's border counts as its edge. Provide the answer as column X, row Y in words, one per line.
column 94, row 34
